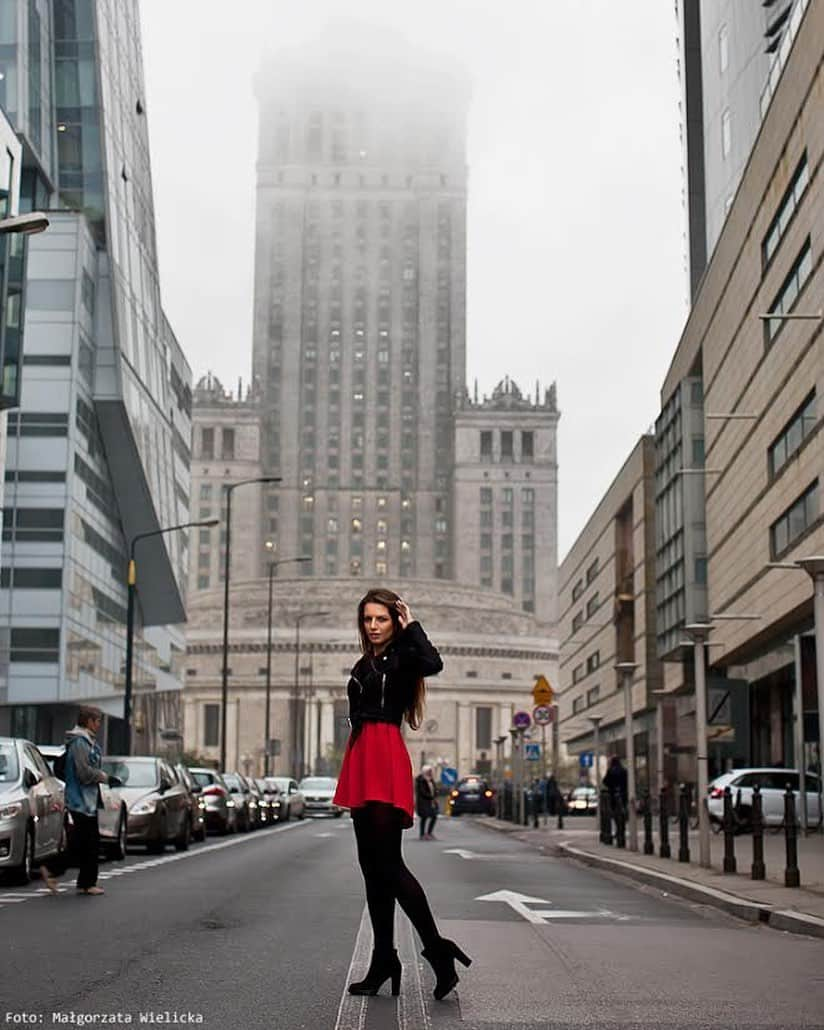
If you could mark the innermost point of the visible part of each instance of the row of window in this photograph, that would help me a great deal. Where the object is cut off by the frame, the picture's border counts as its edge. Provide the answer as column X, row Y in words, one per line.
column 585, row 701
column 207, row 443
column 506, row 445
column 795, row 521
column 592, row 663
column 789, row 440
column 591, row 573
column 788, row 292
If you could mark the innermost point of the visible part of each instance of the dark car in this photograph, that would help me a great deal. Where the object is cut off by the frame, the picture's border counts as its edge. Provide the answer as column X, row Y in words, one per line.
column 245, row 816
column 276, row 798
column 257, row 811
column 219, row 805
column 157, row 801
column 472, row 795
column 197, row 804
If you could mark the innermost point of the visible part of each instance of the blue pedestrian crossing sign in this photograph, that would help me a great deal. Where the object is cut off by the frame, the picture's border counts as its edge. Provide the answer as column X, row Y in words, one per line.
column 585, row 759
column 449, row 776
column 532, row 751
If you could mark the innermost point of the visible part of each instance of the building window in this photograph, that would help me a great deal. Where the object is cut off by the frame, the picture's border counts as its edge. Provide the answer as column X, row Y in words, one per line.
column 211, row 725
column 726, row 133
column 792, row 436
column 592, row 606
column 506, row 445
column 486, row 445
column 593, row 694
column 578, row 705
column 577, row 590
column 788, row 294
column 786, row 210
column 701, row 571
column 202, row 582
column 577, row 673
column 593, row 661
column 527, row 445
column 577, row 621
column 795, row 521
column 483, row 728
column 207, row 443
column 592, row 572
column 228, row 442
column 34, row 645
column 723, row 48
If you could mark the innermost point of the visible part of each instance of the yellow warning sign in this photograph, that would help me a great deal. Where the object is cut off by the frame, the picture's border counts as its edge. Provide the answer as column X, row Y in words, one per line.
column 542, row 692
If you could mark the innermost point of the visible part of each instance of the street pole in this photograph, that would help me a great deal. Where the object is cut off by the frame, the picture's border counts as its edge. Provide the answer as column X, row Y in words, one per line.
column 699, row 631
column 798, row 733
column 131, row 597
column 267, row 718
column 596, row 749
column 224, row 678
column 298, row 731
column 627, row 670
column 814, row 567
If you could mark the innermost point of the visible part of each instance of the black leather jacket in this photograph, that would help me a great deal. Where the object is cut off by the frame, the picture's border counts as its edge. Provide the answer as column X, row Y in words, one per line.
column 381, row 688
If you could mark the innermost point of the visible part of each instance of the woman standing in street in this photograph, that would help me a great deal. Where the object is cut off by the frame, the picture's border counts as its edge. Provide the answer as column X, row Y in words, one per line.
column 426, row 802
column 375, row 782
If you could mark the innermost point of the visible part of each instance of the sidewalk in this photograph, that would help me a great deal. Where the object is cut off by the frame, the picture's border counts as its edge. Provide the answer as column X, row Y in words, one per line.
column 798, row 910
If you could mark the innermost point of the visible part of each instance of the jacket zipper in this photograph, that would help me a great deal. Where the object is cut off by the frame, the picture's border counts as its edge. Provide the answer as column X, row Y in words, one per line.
column 383, row 688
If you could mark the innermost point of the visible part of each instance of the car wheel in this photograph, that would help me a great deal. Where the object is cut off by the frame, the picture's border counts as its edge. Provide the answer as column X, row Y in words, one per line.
column 117, row 851
column 302, row 814
column 182, row 840
column 23, row 872
column 201, row 833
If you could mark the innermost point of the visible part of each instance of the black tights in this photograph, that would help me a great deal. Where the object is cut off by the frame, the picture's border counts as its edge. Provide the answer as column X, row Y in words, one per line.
column 378, row 832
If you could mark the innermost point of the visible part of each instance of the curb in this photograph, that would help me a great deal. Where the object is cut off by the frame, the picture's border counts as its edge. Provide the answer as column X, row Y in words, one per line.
column 797, row 922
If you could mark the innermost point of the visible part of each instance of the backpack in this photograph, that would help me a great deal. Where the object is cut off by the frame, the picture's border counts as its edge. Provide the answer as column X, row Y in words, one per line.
column 59, row 764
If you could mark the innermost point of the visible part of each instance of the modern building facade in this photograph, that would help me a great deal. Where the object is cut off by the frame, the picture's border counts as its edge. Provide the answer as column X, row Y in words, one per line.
column 100, row 450
column 731, row 53
column 750, row 353
column 607, row 602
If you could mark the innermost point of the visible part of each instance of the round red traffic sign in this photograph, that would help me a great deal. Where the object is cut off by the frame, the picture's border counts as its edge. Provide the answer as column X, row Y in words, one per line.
column 543, row 715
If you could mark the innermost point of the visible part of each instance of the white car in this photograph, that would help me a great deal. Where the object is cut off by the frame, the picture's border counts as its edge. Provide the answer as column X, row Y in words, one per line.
column 773, row 784
column 318, row 792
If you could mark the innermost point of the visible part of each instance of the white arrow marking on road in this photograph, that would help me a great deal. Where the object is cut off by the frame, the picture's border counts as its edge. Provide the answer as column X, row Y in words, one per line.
column 518, row 903
column 324, row 835
column 460, row 851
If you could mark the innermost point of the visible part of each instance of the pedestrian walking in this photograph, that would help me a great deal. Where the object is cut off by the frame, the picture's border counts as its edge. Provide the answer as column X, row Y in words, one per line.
column 615, row 781
column 82, row 776
column 426, row 802
column 387, row 686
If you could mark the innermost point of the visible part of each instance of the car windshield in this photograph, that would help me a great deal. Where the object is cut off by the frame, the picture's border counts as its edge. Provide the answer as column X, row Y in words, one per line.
column 203, row 779
column 272, row 785
column 282, row 783
column 583, row 792
column 8, row 763
column 233, row 783
column 133, row 772
column 318, row 783
column 470, row 786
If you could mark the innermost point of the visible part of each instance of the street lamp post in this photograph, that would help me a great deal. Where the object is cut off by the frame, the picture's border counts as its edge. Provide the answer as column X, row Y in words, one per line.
column 596, row 757
column 699, row 631
column 224, row 685
column 267, row 718
column 297, row 733
column 499, row 761
column 131, row 590
column 814, row 567
column 627, row 670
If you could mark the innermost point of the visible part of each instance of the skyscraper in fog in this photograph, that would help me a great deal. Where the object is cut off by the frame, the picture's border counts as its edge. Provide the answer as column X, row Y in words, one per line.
column 359, row 322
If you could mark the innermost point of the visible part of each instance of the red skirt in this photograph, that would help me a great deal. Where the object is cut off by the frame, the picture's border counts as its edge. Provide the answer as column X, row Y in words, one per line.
column 377, row 767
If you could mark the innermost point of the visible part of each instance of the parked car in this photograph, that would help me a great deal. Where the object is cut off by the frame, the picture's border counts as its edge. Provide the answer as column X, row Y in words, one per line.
column 157, row 801
column 471, row 794
column 267, row 797
column 219, row 804
column 318, row 792
column 582, row 801
column 257, row 812
column 31, row 809
column 293, row 797
column 197, row 805
column 242, row 797
column 773, row 784
column 278, row 800
column 112, row 818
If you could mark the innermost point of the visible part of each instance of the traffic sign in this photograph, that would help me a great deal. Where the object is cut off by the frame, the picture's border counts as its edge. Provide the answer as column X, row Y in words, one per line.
column 532, row 752
column 543, row 715
column 449, row 776
column 521, row 720
column 542, row 692
column 585, row 759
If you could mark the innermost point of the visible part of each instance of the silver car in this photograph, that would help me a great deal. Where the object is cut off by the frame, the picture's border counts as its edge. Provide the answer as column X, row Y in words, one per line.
column 32, row 809
column 318, row 792
column 292, row 797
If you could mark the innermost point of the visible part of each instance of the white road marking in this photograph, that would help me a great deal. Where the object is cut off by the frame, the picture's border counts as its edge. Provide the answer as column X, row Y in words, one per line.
column 518, row 903
column 352, row 1008
column 41, row 892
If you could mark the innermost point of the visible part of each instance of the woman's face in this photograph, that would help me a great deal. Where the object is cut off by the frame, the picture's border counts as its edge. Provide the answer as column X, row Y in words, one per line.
column 377, row 622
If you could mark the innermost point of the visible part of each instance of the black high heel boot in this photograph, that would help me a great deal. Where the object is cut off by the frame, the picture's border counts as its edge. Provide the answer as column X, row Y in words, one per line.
column 441, row 956
column 383, row 966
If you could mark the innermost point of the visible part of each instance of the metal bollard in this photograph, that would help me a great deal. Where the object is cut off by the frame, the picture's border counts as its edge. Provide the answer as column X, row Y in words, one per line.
column 649, row 843
column 729, row 833
column 605, row 816
column 620, row 823
column 663, row 815
column 684, row 824
column 758, row 871
column 792, row 877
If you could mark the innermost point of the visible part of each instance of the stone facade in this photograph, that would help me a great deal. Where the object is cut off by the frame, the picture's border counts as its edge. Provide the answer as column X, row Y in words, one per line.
column 492, row 653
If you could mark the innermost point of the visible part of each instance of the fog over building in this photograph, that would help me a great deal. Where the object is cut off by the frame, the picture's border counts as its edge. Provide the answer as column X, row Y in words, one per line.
column 390, row 472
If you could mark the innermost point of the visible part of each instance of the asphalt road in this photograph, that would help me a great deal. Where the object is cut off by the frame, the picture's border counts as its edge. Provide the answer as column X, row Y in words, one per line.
column 264, row 930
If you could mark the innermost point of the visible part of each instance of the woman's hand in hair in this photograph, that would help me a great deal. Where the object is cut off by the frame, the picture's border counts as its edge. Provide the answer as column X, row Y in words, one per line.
column 404, row 614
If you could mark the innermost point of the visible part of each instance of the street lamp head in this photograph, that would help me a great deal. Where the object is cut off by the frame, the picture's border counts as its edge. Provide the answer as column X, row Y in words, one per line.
column 208, row 522
column 269, row 545
column 627, row 667
column 595, row 719
column 25, row 225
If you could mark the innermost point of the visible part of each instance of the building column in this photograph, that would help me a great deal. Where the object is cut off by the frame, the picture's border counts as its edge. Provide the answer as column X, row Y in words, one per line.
column 327, row 726
column 464, row 758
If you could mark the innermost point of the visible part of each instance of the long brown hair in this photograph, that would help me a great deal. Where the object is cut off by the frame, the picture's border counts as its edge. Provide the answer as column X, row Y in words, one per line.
column 389, row 599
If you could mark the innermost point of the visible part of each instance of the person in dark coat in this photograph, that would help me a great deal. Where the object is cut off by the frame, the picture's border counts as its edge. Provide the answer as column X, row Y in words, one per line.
column 426, row 802
column 615, row 781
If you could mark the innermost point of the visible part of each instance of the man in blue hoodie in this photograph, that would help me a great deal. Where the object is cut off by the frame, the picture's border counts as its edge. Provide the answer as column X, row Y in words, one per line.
column 83, row 778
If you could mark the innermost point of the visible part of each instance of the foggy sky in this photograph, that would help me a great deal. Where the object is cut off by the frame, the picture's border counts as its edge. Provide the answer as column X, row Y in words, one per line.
column 575, row 230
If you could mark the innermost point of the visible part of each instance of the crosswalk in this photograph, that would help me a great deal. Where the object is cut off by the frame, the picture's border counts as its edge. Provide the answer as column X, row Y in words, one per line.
column 9, row 898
